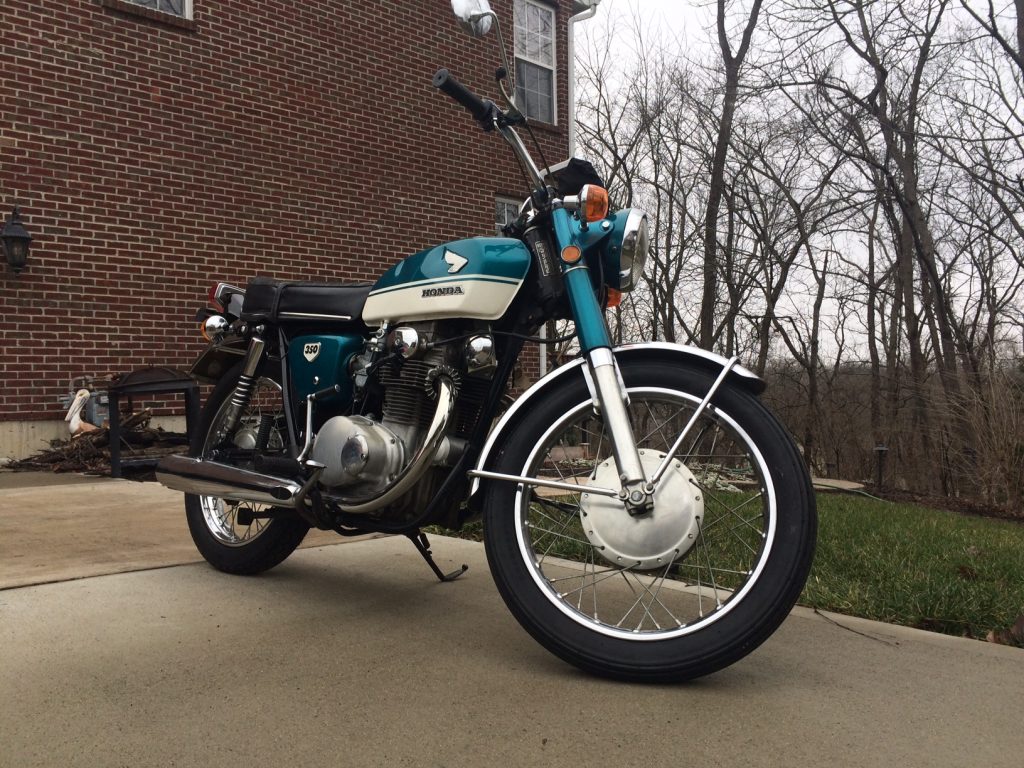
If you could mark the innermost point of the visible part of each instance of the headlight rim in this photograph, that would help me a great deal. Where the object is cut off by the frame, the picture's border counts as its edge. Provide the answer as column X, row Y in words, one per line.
column 635, row 233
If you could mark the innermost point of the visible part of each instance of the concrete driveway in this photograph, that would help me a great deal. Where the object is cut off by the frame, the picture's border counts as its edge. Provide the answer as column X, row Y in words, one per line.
column 353, row 655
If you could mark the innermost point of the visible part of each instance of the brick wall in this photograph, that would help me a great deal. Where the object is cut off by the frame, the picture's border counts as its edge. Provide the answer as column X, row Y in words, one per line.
column 299, row 140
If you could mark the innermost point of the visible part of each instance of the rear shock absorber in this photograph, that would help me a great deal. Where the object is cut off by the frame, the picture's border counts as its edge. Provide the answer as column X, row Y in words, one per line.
column 239, row 399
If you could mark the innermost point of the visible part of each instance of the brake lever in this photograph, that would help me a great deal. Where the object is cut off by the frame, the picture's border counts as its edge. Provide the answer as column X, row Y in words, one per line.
column 511, row 119
column 501, row 75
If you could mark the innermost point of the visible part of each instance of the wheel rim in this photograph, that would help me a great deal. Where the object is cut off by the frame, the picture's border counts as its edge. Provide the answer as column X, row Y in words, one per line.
column 735, row 531
column 222, row 517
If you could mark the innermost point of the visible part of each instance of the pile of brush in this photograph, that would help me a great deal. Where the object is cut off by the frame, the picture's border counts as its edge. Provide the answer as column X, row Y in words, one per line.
column 89, row 451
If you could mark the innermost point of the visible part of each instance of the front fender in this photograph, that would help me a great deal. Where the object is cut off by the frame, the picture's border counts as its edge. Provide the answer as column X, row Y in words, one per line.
column 689, row 356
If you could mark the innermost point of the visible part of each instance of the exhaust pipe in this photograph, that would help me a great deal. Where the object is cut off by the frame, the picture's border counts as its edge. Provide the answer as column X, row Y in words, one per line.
column 210, row 478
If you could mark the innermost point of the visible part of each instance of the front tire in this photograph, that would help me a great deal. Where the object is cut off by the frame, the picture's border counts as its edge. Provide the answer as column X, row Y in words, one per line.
column 734, row 531
column 227, row 543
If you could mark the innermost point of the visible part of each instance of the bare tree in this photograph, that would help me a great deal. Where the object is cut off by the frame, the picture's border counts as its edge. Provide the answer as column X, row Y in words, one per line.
column 849, row 211
column 1001, row 29
column 732, row 62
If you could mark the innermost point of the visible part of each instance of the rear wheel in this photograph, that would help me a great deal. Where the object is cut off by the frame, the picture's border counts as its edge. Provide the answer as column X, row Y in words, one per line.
column 680, row 592
column 239, row 537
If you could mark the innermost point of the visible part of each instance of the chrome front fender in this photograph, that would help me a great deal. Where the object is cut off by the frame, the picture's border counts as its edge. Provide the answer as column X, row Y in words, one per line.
column 685, row 356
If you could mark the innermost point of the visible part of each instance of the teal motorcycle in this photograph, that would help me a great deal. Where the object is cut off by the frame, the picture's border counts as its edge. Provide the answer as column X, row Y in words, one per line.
column 644, row 516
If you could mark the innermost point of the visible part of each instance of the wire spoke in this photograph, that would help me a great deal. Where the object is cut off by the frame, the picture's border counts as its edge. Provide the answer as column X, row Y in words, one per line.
column 604, row 575
column 221, row 517
column 653, row 598
column 556, row 534
column 716, row 570
column 728, row 537
column 667, row 443
column 561, row 506
column 645, row 592
column 702, row 545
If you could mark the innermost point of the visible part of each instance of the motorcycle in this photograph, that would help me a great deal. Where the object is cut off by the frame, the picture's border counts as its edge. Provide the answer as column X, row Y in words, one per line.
column 644, row 516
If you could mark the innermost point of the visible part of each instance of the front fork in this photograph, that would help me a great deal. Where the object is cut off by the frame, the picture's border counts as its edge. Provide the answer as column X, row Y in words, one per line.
column 603, row 377
column 611, row 400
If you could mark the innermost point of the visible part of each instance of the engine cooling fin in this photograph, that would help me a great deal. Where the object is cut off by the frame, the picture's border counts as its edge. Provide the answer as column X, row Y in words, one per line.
column 430, row 381
column 406, row 399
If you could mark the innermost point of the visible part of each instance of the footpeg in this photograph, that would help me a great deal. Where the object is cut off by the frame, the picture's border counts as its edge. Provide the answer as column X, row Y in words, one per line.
column 422, row 544
column 284, row 466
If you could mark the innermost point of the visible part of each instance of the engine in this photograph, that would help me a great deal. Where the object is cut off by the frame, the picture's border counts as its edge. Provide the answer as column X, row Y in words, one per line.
column 354, row 450
column 364, row 455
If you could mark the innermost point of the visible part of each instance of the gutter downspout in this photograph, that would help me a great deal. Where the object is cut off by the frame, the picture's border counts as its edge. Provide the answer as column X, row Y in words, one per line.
column 571, row 52
column 571, row 109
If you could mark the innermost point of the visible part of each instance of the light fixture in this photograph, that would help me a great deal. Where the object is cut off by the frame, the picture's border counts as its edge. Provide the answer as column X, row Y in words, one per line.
column 16, row 240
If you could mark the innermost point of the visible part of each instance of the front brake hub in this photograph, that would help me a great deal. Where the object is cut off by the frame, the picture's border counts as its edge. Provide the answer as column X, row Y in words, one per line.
column 653, row 540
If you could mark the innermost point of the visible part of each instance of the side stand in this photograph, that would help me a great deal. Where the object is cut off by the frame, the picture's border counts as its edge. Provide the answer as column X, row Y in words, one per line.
column 419, row 540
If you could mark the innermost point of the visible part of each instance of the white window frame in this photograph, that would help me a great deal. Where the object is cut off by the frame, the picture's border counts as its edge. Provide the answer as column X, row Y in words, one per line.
column 509, row 203
column 186, row 9
column 553, row 67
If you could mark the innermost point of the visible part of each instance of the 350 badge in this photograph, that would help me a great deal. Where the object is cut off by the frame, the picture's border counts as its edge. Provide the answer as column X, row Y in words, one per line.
column 311, row 351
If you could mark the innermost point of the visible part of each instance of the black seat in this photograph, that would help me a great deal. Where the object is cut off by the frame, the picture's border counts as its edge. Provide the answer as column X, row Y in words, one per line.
column 277, row 301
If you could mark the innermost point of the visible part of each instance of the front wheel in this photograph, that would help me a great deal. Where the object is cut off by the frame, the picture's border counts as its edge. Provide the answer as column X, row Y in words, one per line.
column 682, row 591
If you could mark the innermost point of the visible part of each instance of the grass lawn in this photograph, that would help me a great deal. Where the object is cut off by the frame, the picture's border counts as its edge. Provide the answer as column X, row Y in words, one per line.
column 908, row 564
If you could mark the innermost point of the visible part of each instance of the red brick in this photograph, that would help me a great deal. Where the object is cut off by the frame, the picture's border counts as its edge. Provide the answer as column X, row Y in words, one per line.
column 151, row 161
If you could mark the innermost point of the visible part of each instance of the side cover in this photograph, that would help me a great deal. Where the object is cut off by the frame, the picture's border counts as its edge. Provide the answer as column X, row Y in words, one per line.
column 475, row 278
column 320, row 361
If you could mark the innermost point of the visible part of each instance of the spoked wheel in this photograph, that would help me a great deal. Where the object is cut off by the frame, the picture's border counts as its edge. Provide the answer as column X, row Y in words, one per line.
column 241, row 537
column 679, row 592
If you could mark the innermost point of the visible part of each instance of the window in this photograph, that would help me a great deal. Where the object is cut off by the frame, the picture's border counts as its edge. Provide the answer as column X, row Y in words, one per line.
column 182, row 8
column 506, row 210
column 535, row 59
column 169, row 13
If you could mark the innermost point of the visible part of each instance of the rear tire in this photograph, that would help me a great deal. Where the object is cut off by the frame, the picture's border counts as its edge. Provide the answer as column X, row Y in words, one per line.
column 226, row 544
column 739, row 526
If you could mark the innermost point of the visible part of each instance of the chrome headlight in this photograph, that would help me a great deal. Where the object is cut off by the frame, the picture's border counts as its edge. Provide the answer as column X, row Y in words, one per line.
column 636, row 243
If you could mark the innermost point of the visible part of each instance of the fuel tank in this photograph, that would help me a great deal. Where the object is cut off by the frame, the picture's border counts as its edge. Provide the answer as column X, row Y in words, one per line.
column 476, row 278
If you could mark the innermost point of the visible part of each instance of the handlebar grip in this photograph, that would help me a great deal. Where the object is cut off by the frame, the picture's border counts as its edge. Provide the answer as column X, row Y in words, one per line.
column 480, row 109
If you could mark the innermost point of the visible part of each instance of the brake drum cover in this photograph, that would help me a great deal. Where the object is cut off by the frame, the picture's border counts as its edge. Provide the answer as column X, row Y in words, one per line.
column 649, row 541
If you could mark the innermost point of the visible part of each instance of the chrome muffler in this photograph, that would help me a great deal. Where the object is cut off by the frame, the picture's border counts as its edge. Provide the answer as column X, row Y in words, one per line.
column 210, row 478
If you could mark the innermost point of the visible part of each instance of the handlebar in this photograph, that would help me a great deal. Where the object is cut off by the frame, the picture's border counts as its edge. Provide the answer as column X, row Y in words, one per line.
column 481, row 110
column 487, row 114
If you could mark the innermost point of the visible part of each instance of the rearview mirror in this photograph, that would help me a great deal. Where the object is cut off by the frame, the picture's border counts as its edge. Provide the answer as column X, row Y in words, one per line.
column 474, row 16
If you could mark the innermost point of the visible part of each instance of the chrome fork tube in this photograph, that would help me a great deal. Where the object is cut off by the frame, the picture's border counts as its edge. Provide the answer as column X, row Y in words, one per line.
column 610, row 397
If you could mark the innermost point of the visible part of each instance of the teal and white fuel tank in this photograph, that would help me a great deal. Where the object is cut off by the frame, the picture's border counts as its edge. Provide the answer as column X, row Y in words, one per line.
column 476, row 278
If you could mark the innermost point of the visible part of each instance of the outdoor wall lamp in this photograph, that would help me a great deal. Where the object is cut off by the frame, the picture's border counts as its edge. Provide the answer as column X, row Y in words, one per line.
column 16, row 241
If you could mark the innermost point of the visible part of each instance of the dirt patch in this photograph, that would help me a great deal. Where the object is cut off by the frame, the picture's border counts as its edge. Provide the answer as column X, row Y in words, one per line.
column 969, row 507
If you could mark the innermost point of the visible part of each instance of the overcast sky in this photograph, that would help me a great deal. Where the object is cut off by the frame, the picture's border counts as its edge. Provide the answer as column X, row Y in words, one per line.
column 686, row 17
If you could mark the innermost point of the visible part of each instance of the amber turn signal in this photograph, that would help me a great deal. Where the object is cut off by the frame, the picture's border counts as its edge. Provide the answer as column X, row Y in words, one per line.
column 593, row 203
column 571, row 254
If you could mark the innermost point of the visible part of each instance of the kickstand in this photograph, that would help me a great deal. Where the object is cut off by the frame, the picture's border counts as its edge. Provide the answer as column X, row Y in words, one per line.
column 419, row 540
